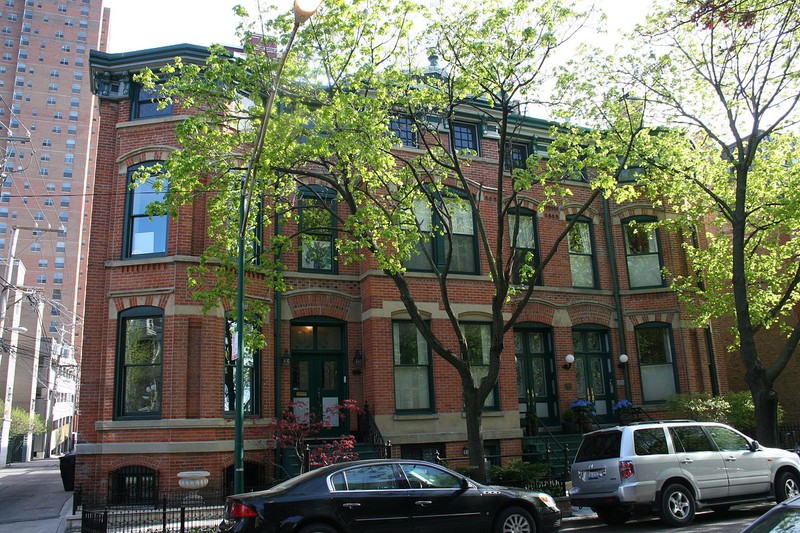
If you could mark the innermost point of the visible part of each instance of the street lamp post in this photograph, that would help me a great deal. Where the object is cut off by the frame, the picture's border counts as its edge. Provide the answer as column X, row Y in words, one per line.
column 303, row 9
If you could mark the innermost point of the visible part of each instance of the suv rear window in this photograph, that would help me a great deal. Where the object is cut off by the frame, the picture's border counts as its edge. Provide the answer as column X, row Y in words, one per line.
column 599, row 446
column 650, row 441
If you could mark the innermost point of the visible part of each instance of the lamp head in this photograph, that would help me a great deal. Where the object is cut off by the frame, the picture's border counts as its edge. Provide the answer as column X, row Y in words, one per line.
column 569, row 360
column 303, row 9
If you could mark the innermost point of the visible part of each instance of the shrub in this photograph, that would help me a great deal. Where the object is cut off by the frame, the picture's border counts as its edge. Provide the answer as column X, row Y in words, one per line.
column 699, row 406
column 22, row 423
column 518, row 473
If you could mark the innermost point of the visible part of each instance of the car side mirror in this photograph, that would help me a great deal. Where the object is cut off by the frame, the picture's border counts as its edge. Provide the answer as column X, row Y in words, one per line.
column 754, row 446
column 464, row 483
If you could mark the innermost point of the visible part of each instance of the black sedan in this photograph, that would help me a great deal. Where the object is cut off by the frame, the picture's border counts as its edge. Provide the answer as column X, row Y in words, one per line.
column 384, row 495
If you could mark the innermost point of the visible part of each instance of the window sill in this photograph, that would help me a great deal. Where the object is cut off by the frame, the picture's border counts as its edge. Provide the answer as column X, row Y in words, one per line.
column 416, row 416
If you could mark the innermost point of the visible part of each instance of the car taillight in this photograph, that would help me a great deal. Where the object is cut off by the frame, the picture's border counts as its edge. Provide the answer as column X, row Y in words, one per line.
column 240, row 510
column 626, row 469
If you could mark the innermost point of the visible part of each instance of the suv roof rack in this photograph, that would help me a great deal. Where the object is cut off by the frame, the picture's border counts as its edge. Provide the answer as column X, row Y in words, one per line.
column 661, row 421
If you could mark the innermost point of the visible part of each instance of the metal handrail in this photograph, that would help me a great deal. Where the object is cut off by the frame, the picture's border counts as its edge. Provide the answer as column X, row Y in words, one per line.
column 372, row 435
column 564, row 447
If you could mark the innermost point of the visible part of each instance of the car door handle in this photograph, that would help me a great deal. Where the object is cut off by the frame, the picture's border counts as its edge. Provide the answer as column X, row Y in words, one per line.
column 687, row 461
column 351, row 505
column 423, row 503
column 731, row 458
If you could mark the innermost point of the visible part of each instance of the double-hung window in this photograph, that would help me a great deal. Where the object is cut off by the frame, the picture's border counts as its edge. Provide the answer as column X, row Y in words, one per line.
column 140, row 347
column 145, row 234
column 250, row 366
column 656, row 361
column 317, row 229
column 642, row 253
column 453, row 216
column 479, row 341
column 581, row 255
column 522, row 236
column 412, row 369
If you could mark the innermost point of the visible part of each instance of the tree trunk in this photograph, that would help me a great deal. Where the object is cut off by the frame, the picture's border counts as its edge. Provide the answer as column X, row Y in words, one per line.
column 473, row 407
column 765, row 400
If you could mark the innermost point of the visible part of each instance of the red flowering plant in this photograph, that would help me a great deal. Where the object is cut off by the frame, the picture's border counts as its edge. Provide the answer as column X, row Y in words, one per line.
column 297, row 426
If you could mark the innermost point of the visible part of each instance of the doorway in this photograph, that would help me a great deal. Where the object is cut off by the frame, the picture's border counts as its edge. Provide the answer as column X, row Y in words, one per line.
column 536, row 382
column 593, row 368
column 318, row 374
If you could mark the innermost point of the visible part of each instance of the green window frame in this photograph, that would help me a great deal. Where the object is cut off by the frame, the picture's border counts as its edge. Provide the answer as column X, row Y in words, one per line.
column 145, row 235
column 146, row 102
column 656, row 355
column 523, row 236
column 402, row 126
column 317, row 230
column 516, row 156
column 583, row 265
column 642, row 253
column 464, row 136
column 140, row 351
column 435, row 244
column 479, row 341
column 413, row 373
column 250, row 373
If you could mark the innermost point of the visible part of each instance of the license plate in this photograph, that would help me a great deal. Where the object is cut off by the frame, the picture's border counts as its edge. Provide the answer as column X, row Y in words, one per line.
column 589, row 475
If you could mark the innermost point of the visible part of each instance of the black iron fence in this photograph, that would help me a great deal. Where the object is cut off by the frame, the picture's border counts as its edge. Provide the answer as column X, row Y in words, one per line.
column 187, row 511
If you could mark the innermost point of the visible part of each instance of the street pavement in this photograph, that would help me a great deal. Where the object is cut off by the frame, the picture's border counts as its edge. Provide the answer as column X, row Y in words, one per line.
column 32, row 498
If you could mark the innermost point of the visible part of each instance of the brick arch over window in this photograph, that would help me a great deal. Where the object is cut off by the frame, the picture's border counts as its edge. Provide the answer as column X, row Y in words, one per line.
column 582, row 312
column 667, row 317
column 572, row 210
column 633, row 211
column 320, row 302
column 142, row 155
column 121, row 303
column 538, row 311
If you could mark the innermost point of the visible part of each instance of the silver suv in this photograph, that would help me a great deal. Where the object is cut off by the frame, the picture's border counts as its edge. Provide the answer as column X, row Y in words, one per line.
column 674, row 467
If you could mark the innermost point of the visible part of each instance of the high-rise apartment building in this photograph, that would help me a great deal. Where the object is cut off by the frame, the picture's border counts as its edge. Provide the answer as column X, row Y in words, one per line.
column 48, row 118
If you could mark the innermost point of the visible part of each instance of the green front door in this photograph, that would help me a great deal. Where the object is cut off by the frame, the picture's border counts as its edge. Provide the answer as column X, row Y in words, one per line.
column 594, row 374
column 536, row 375
column 318, row 375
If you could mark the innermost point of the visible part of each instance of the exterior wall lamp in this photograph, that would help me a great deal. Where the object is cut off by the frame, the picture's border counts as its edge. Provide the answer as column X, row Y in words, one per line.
column 286, row 359
column 358, row 360
column 623, row 360
column 569, row 360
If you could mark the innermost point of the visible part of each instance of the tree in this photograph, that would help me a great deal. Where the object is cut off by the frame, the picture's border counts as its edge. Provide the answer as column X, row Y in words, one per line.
column 714, row 86
column 23, row 423
column 354, row 68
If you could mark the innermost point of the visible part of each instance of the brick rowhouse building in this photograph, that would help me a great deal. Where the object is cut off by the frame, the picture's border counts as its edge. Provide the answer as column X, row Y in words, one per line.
column 337, row 329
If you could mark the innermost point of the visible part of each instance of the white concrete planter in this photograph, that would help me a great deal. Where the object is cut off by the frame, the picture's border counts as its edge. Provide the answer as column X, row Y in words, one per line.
column 193, row 480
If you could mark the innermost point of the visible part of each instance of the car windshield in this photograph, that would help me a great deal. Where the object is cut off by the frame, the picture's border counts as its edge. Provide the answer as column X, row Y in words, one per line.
column 599, row 446
column 783, row 520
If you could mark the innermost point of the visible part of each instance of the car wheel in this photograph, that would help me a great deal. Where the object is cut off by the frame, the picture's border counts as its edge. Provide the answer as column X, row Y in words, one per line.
column 318, row 528
column 613, row 516
column 787, row 486
column 721, row 508
column 677, row 505
column 515, row 520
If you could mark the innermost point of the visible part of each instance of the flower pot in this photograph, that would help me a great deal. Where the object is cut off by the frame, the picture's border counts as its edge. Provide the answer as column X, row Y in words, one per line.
column 193, row 480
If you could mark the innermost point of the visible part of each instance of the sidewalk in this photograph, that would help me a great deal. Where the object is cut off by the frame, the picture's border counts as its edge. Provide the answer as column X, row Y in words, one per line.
column 32, row 498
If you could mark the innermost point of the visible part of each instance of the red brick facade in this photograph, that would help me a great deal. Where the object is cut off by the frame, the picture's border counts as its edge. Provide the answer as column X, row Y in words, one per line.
column 193, row 433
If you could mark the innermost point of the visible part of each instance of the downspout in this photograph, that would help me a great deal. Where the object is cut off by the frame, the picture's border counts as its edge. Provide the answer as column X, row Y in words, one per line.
column 615, row 289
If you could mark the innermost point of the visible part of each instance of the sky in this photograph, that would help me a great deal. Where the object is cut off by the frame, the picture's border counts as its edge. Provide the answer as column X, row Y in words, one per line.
column 141, row 24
